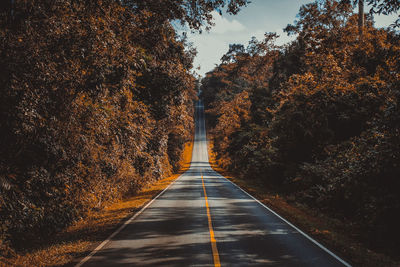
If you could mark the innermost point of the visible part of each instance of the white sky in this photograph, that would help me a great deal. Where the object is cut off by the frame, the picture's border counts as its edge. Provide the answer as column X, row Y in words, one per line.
column 258, row 17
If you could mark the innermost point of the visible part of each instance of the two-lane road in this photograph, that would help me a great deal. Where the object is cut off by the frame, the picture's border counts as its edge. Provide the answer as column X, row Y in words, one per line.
column 203, row 219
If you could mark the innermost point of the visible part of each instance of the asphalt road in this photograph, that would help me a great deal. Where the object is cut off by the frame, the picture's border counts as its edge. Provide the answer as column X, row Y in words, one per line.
column 203, row 219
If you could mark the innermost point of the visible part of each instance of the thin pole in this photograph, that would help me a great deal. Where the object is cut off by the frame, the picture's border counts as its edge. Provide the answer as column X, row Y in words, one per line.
column 360, row 17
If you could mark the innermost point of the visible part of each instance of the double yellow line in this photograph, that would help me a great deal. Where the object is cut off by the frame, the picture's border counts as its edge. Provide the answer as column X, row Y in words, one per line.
column 214, row 248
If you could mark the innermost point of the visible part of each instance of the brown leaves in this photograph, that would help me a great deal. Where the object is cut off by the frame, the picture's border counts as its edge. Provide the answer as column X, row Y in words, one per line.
column 320, row 122
column 82, row 86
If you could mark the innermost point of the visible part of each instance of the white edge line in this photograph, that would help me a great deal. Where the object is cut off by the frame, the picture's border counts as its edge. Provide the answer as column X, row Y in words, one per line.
column 99, row 247
column 294, row 227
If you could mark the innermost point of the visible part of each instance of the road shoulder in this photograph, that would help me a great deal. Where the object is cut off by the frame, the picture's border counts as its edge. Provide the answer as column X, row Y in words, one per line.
column 78, row 240
column 329, row 232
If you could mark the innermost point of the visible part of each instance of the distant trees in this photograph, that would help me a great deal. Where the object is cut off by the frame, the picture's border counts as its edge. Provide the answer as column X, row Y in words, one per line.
column 317, row 118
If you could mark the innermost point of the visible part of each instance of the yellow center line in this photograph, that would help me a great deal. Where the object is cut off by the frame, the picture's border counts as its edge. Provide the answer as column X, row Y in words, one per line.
column 214, row 248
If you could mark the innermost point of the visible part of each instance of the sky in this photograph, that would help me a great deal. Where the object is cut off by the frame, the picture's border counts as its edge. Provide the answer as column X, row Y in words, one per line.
column 258, row 17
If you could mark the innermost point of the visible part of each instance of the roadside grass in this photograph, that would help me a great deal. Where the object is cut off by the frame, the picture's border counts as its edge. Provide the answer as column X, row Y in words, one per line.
column 82, row 237
column 338, row 236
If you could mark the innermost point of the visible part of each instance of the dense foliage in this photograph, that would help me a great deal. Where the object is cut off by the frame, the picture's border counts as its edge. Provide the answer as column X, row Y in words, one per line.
column 96, row 101
column 318, row 118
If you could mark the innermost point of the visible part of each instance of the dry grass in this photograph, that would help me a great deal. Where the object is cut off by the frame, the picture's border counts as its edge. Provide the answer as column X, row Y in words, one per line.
column 80, row 238
column 334, row 234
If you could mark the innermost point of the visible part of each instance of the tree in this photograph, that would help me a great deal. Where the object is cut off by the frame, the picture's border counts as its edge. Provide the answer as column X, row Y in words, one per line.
column 96, row 100
column 321, row 120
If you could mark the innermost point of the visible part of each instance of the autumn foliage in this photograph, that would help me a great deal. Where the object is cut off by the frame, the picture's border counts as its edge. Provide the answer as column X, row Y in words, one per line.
column 317, row 119
column 96, row 101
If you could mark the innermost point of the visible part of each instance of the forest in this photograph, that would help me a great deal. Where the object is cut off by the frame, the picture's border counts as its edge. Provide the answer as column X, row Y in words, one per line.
column 96, row 101
column 318, row 119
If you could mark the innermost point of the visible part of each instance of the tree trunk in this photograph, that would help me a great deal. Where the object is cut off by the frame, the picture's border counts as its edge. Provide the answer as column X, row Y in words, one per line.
column 360, row 17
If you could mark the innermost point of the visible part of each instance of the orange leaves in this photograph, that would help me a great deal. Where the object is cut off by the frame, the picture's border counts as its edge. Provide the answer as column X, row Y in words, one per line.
column 232, row 116
column 320, row 121
column 99, row 103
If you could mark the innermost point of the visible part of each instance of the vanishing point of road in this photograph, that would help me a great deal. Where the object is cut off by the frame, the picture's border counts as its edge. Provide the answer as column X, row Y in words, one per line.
column 203, row 219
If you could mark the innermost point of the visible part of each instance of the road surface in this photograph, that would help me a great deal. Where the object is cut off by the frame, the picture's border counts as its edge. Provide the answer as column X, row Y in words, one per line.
column 203, row 219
